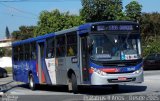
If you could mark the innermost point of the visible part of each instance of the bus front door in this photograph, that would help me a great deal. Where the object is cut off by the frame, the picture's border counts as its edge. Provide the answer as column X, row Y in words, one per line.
column 41, row 62
column 84, row 60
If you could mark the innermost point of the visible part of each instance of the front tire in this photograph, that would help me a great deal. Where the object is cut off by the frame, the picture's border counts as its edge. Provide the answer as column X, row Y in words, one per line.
column 32, row 85
column 73, row 84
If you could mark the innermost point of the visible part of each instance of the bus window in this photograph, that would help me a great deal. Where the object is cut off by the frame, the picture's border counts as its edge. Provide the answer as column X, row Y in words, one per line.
column 50, row 48
column 27, row 51
column 33, row 51
column 21, row 53
column 72, row 44
column 60, row 46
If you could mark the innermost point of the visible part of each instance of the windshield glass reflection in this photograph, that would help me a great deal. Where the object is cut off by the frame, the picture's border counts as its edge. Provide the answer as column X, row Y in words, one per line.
column 114, row 46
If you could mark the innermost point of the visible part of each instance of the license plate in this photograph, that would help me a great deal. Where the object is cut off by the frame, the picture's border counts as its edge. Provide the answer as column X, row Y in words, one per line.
column 122, row 78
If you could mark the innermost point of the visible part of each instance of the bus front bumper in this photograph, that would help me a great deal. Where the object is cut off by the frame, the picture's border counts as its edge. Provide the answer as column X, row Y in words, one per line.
column 109, row 79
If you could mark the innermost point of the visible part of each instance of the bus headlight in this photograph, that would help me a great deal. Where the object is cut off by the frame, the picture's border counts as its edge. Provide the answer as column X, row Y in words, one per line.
column 138, row 71
column 99, row 71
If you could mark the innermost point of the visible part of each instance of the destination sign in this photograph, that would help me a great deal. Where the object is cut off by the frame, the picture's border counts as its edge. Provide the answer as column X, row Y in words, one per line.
column 115, row 27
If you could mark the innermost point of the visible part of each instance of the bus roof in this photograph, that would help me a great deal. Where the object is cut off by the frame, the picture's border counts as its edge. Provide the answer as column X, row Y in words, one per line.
column 84, row 28
column 115, row 22
column 88, row 25
column 33, row 39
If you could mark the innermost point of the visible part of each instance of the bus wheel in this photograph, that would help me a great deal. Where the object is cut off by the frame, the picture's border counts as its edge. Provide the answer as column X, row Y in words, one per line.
column 31, row 82
column 73, row 84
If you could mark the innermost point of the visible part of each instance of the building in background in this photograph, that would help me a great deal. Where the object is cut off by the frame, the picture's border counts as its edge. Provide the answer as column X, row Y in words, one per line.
column 5, row 53
column 6, row 43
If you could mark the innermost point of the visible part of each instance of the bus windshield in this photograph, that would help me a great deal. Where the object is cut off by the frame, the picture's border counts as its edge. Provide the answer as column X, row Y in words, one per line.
column 109, row 47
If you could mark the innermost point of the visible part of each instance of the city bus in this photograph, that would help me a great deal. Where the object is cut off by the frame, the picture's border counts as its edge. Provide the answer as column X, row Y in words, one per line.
column 92, row 54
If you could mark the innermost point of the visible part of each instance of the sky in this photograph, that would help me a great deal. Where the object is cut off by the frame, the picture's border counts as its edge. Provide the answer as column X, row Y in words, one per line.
column 26, row 12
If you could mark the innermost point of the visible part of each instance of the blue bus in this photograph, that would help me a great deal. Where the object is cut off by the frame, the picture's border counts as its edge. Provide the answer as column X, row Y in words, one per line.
column 99, row 53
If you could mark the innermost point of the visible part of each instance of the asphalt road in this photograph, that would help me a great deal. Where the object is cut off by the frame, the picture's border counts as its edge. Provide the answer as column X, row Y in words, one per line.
column 21, row 92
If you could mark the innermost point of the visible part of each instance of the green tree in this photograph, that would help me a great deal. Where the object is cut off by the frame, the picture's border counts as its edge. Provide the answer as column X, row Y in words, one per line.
column 2, row 52
column 24, row 32
column 7, row 33
column 100, row 10
column 150, row 25
column 151, row 46
column 16, row 35
column 133, row 11
column 55, row 21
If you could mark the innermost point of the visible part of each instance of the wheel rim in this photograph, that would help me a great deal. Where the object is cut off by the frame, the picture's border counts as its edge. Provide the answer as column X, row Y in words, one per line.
column 31, row 82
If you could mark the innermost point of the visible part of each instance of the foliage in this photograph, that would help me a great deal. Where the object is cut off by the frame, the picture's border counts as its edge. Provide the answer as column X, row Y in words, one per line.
column 8, row 52
column 133, row 11
column 7, row 33
column 101, row 10
column 5, row 51
column 150, row 25
column 24, row 32
column 2, row 51
column 152, row 46
column 55, row 21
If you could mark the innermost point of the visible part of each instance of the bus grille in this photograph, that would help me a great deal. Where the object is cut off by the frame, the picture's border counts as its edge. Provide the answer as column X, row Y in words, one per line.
column 118, row 81
column 123, row 63
column 120, row 72
column 119, row 64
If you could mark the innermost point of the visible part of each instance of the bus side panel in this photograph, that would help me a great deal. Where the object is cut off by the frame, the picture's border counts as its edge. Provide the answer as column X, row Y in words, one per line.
column 15, row 70
column 24, row 72
column 72, row 63
column 61, row 71
column 32, row 68
column 18, row 71
column 64, row 65
column 21, row 71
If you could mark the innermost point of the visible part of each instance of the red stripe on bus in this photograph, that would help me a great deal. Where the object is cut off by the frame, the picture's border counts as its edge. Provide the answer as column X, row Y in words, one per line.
column 91, row 70
column 109, row 70
column 43, row 77
column 36, row 67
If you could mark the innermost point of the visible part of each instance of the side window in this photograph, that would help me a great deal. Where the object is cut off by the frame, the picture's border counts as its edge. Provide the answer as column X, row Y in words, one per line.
column 21, row 53
column 60, row 46
column 72, row 44
column 33, row 51
column 27, row 51
column 50, row 53
column 18, row 53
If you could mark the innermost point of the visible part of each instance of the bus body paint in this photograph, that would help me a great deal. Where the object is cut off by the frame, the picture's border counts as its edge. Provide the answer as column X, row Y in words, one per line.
column 114, row 69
